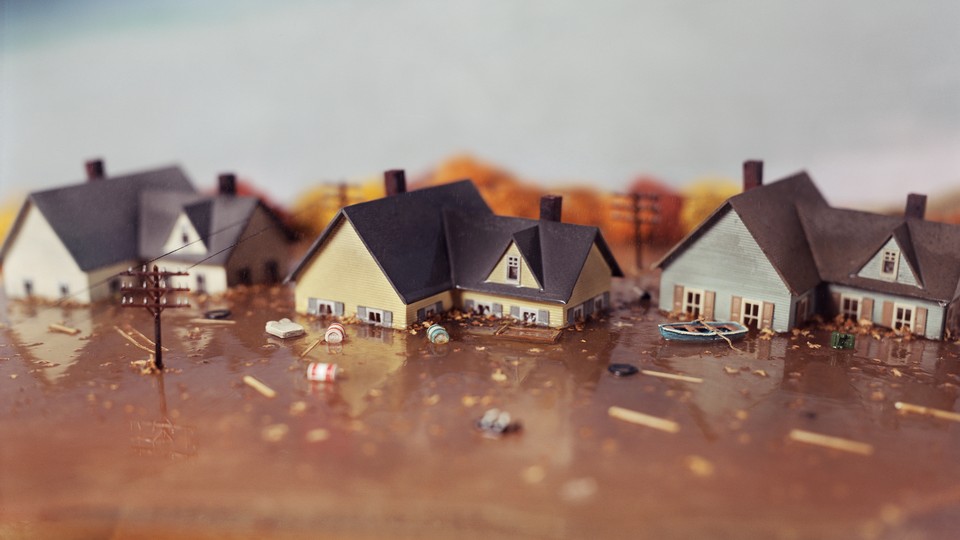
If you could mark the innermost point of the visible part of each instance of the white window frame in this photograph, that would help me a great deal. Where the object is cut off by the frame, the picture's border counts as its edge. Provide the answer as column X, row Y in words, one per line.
column 524, row 311
column 378, row 321
column 850, row 298
column 895, row 256
column 687, row 291
column 578, row 313
column 744, row 315
column 907, row 308
column 478, row 308
column 513, row 261
column 332, row 306
column 598, row 303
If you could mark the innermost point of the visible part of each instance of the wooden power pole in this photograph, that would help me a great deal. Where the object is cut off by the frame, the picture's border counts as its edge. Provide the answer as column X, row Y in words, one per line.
column 151, row 289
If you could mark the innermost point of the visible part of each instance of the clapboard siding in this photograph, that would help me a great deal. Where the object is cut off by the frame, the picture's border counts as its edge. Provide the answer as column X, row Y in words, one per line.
column 904, row 273
column 342, row 270
column 499, row 273
column 556, row 311
column 727, row 260
column 935, row 312
column 594, row 279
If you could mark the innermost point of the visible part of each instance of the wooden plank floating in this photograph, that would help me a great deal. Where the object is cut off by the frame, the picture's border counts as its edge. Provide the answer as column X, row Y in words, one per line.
column 254, row 383
column 310, row 348
column 212, row 321
column 63, row 329
column 131, row 340
column 928, row 411
column 671, row 376
column 641, row 419
column 827, row 441
column 528, row 334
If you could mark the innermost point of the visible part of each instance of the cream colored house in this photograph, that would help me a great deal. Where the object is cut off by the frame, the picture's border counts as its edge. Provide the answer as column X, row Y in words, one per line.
column 399, row 260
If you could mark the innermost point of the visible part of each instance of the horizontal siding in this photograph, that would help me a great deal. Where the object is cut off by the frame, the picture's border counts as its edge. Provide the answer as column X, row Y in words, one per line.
column 727, row 260
column 342, row 270
column 935, row 312
column 499, row 273
column 556, row 310
column 594, row 280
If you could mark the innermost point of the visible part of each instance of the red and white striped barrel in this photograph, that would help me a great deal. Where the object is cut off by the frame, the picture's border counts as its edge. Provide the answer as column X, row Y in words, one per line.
column 322, row 372
column 334, row 333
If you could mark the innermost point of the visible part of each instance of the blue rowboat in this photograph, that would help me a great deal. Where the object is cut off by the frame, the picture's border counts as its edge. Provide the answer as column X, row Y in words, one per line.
column 703, row 331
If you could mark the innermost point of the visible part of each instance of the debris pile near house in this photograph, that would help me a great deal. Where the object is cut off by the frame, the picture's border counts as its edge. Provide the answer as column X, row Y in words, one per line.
column 495, row 423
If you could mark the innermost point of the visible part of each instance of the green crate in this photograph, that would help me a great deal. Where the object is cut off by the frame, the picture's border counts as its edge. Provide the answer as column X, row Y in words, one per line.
column 839, row 340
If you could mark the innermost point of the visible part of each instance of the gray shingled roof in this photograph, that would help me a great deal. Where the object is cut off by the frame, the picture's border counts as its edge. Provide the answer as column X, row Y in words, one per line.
column 98, row 221
column 404, row 233
column 555, row 252
column 809, row 242
column 446, row 237
column 219, row 219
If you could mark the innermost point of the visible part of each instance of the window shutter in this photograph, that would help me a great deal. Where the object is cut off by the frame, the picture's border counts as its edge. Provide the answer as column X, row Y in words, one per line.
column 362, row 313
column 735, row 305
column 709, row 299
column 387, row 319
column 866, row 309
column 468, row 305
column 570, row 316
column 678, row 298
column 886, row 317
column 497, row 310
column 836, row 309
column 515, row 312
column 920, row 322
column 543, row 317
column 421, row 314
column 766, row 319
column 313, row 306
column 588, row 308
column 438, row 307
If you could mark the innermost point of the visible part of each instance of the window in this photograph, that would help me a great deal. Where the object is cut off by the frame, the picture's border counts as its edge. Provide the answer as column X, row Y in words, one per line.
column 272, row 270
column 513, row 269
column 902, row 317
column 374, row 316
column 803, row 308
column 244, row 276
column 483, row 308
column 751, row 313
column 598, row 304
column 28, row 287
column 889, row 265
column 184, row 235
column 850, row 308
column 692, row 302
column 578, row 314
column 201, row 283
column 64, row 290
column 528, row 315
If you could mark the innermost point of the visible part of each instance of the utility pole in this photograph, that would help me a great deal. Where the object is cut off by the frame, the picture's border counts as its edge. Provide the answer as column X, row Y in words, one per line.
column 153, row 287
column 642, row 209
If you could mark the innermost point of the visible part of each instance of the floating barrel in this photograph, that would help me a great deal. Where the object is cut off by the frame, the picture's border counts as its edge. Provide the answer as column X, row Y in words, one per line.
column 334, row 333
column 321, row 372
column 437, row 334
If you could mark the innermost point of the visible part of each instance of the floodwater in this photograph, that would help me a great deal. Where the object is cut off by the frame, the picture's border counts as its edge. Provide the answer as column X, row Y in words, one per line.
column 92, row 448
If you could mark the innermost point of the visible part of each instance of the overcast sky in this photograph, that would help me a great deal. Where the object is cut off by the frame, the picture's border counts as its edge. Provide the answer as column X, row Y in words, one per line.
column 864, row 94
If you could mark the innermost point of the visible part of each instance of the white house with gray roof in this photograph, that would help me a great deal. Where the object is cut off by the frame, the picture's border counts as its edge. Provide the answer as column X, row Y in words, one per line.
column 71, row 242
column 774, row 255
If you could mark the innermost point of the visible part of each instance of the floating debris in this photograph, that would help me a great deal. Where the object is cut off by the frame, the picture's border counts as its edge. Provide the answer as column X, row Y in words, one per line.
column 310, row 348
column 211, row 321
column 284, row 328
column 265, row 390
column 63, row 329
column 622, row 370
column 639, row 418
column 928, row 411
column 662, row 375
column 495, row 422
column 828, row 441
column 438, row 334
column 839, row 340
column 322, row 372
column 217, row 314
column 335, row 333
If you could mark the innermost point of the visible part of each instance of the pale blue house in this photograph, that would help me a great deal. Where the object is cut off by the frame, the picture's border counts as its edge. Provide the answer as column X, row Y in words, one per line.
column 774, row 255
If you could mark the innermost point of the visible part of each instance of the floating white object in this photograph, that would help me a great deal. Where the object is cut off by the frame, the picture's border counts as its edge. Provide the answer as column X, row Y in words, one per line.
column 284, row 328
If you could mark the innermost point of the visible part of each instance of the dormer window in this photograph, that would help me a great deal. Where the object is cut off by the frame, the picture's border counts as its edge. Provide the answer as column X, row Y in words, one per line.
column 184, row 235
column 888, row 268
column 513, row 269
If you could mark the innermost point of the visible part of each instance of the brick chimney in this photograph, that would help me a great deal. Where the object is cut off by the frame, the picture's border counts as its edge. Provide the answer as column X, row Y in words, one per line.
column 95, row 170
column 916, row 206
column 395, row 180
column 752, row 174
column 550, row 207
column 227, row 184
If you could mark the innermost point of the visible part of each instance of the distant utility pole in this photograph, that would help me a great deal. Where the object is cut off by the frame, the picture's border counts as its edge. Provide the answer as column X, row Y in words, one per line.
column 152, row 288
column 642, row 209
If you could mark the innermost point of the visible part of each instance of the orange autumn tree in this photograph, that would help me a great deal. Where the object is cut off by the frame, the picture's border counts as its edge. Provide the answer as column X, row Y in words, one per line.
column 314, row 208
column 704, row 196
column 503, row 191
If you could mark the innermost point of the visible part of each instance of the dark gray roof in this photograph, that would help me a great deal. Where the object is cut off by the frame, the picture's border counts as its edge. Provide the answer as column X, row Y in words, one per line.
column 98, row 221
column 809, row 242
column 218, row 219
column 555, row 252
column 770, row 214
column 404, row 234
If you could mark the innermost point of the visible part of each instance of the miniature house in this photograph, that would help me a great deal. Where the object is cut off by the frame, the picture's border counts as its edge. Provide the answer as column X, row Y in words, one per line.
column 774, row 255
column 408, row 256
column 71, row 242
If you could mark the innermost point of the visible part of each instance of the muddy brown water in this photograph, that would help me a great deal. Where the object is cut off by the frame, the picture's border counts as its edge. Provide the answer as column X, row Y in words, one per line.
column 92, row 448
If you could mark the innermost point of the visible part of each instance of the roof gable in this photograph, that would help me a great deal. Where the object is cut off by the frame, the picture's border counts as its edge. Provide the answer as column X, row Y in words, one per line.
column 527, row 277
column 904, row 261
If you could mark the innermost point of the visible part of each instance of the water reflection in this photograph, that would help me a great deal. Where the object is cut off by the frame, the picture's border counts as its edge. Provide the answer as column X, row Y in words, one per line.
column 163, row 438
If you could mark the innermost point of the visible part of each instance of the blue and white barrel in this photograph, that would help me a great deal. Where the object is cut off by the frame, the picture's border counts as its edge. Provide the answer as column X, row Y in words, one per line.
column 437, row 334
